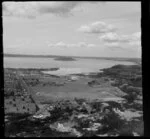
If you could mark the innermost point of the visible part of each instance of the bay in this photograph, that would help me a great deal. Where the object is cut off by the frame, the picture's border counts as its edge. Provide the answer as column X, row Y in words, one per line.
column 81, row 65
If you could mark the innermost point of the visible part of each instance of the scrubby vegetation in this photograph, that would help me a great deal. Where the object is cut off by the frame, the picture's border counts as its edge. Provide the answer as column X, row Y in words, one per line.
column 125, row 74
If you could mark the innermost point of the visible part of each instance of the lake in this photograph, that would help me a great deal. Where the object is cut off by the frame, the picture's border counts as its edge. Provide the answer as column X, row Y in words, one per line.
column 82, row 65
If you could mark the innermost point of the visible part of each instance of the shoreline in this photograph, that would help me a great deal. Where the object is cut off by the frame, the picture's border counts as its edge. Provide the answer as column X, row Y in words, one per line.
column 43, row 71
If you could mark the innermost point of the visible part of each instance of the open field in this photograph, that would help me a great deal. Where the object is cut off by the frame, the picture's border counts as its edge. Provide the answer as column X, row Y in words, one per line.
column 49, row 87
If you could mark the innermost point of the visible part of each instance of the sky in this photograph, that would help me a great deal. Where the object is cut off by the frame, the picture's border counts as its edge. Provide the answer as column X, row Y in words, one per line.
column 72, row 28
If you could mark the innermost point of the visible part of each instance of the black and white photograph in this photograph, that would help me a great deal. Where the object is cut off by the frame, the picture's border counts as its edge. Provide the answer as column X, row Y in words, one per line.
column 72, row 68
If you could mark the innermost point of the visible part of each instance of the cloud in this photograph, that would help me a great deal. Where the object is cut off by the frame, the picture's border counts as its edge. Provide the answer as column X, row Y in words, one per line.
column 97, row 28
column 112, row 44
column 108, row 34
column 58, row 8
column 116, row 39
column 34, row 9
column 66, row 45
column 136, row 36
column 114, row 48
column 137, row 43
column 20, row 9
column 136, row 39
column 60, row 44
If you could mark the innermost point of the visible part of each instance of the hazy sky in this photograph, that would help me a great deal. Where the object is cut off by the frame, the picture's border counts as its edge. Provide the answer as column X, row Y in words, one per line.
column 110, row 29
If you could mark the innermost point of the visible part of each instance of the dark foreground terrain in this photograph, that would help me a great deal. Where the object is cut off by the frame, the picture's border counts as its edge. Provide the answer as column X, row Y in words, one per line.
column 99, row 104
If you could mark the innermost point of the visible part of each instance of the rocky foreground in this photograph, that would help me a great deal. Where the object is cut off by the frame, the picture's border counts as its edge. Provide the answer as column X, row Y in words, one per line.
column 81, row 117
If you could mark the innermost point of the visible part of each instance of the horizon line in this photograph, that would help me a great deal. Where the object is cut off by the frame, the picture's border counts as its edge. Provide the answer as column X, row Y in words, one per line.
column 41, row 55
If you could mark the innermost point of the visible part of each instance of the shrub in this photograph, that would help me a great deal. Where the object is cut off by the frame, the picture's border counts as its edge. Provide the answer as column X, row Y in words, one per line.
column 14, row 105
column 23, row 99
column 130, row 97
column 113, row 121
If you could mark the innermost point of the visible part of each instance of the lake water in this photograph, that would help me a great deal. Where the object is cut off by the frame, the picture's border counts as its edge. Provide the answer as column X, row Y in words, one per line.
column 66, row 67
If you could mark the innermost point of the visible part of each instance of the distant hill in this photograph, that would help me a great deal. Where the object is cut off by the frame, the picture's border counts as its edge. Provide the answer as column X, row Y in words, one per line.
column 65, row 59
column 22, row 55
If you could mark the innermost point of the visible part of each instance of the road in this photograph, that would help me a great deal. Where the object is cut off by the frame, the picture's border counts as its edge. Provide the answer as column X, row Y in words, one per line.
column 27, row 88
